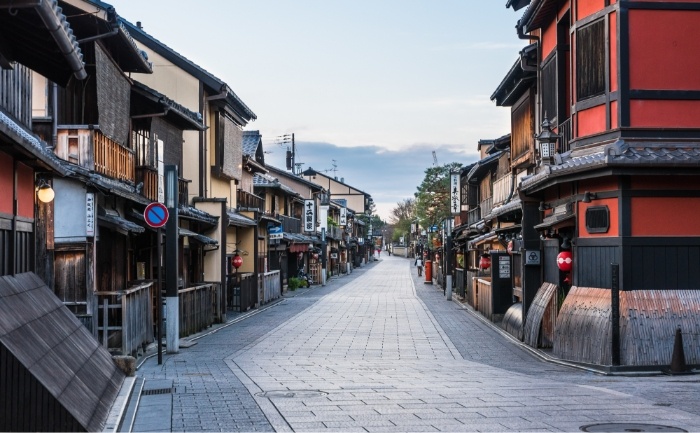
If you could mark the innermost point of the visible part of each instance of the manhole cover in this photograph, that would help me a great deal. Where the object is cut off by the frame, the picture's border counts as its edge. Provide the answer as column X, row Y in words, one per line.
column 631, row 427
column 292, row 394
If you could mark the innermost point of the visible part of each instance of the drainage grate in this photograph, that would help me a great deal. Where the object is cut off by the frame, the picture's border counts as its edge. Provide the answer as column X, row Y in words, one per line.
column 630, row 427
column 157, row 391
column 292, row 394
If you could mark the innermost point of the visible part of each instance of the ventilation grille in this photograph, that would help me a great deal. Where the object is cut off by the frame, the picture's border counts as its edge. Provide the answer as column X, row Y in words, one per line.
column 597, row 219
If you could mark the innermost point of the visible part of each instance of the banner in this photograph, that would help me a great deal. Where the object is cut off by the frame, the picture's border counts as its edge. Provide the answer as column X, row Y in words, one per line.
column 343, row 216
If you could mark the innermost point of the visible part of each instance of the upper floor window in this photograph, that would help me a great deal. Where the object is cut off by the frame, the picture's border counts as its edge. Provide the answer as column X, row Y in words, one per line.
column 590, row 60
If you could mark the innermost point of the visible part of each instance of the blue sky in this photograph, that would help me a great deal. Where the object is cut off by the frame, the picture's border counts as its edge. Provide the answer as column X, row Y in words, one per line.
column 376, row 86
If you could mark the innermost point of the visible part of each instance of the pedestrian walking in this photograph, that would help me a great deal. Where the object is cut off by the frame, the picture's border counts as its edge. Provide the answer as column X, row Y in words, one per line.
column 419, row 265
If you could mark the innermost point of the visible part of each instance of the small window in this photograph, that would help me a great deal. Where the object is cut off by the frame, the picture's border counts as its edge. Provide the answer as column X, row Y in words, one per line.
column 597, row 219
column 590, row 60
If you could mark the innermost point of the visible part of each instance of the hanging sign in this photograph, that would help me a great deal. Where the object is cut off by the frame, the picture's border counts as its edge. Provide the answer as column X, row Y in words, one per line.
column 454, row 194
column 343, row 216
column 309, row 216
column 89, row 214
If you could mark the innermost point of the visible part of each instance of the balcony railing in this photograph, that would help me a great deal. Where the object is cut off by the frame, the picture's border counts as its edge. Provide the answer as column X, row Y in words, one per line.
column 289, row 224
column 502, row 189
column 564, row 130
column 486, row 206
column 112, row 159
column 149, row 176
column 474, row 215
column 247, row 200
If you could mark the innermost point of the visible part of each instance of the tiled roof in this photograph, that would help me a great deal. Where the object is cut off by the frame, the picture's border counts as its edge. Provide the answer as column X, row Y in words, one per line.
column 194, row 118
column 267, row 181
column 251, row 141
column 505, row 208
column 619, row 154
column 238, row 220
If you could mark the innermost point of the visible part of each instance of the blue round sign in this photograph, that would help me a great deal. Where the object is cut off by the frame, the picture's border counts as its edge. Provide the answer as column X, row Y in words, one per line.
column 156, row 215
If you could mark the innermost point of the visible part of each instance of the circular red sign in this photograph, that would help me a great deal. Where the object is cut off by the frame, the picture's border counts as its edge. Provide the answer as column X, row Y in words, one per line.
column 565, row 261
column 237, row 261
column 156, row 215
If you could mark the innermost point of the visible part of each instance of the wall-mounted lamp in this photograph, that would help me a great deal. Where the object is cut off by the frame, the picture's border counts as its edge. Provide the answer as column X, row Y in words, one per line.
column 547, row 140
column 588, row 196
column 543, row 206
column 44, row 192
column 566, row 243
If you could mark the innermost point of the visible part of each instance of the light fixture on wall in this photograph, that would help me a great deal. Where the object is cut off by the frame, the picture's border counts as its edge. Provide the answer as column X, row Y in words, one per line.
column 44, row 192
column 588, row 196
column 547, row 140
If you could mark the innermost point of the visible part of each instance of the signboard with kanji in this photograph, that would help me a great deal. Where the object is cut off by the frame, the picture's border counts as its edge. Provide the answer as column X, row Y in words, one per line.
column 455, row 203
column 343, row 216
column 309, row 217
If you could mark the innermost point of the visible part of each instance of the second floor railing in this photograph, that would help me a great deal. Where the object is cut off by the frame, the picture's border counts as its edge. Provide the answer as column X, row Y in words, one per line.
column 502, row 189
column 289, row 224
column 247, row 200
column 486, row 206
column 149, row 177
column 112, row 159
column 474, row 215
column 564, row 130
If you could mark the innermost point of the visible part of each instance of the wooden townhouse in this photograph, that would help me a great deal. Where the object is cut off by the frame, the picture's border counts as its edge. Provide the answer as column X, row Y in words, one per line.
column 604, row 149
column 219, row 174
column 356, row 202
column 39, row 44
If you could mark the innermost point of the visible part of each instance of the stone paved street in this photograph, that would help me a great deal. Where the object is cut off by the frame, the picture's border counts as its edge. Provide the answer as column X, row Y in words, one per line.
column 378, row 350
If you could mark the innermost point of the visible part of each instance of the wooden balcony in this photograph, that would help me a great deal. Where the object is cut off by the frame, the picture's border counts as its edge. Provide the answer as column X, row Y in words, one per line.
column 112, row 159
column 93, row 150
column 247, row 200
column 486, row 206
column 502, row 189
column 289, row 224
column 149, row 176
column 474, row 215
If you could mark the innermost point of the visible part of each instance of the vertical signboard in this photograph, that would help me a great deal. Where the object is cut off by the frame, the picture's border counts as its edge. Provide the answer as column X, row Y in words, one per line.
column 343, row 216
column 323, row 217
column 89, row 214
column 454, row 194
column 161, row 173
column 309, row 216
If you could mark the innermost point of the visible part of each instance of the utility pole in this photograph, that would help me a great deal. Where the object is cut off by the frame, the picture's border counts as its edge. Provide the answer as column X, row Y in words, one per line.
column 172, row 332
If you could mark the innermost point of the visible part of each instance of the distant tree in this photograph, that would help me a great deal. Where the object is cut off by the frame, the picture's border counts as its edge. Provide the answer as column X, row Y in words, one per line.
column 401, row 218
column 433, row 195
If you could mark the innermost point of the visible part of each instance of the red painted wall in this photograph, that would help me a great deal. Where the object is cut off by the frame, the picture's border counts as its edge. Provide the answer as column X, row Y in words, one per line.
column 663, row 49
column 612, row 204
column 665, row 216
column 663, row 183
column 590, row 121
column 585, row 8
column 6, row 183
column 661, row 114
column 25, row 191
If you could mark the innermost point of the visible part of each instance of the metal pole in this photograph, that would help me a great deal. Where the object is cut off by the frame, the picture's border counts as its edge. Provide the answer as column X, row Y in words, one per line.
column 448, row 260
column 159, row 298
column 323, row 256
column 172, row 334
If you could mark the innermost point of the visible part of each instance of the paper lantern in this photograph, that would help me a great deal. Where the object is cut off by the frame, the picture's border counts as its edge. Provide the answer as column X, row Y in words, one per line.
column 565, row 261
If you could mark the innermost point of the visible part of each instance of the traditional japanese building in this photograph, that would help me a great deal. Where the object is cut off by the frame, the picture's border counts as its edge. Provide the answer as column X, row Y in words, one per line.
column 604, row 147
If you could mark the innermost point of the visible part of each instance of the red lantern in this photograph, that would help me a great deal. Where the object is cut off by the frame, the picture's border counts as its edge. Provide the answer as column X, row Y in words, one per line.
column 237, row 261
column 565, row 261
column 510, row 247
column 484, row 262
column 315, row 256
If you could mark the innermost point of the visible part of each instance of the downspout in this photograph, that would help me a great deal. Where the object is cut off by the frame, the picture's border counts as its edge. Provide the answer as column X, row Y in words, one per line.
column 62, row 38
column 54, row 109
column 112, row 32
column 528, row 37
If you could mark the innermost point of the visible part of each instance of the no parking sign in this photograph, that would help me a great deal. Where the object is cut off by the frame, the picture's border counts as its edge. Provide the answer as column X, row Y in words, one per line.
column 156, row 215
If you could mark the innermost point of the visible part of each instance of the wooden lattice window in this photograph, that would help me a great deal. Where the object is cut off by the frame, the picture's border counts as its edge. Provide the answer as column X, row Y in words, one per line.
column 590, row 60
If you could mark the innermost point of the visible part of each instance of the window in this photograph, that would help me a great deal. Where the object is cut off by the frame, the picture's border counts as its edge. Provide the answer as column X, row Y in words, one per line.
column 597, row 219
column 590, row 60
column 549, row 90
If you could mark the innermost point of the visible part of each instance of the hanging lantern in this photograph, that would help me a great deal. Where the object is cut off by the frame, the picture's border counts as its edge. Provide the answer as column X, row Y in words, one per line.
column 484, row 262
column 300, row 256
column 237, row 261
column 315, row 256
column 510, row 247
column 565, row 261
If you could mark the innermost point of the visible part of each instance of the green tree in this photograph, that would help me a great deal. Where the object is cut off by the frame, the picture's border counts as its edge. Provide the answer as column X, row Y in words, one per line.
column 433, row 195
column 401, row 218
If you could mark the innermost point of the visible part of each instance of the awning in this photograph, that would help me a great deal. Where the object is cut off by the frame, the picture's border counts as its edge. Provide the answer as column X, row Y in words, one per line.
column 481, row 239
column 265, row 217
column 553, row 220
column 194, row 214
column 119, row 224
column 238, row 220
column 196, row 236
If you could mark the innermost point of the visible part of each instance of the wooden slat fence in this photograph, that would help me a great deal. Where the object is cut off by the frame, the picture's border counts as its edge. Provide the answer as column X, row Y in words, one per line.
column 543, row 305
column 125, row 318
column 269, row 286
column 484, row 303
column 198, row 308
